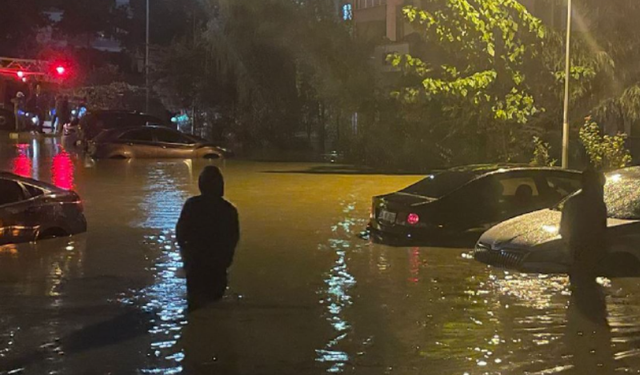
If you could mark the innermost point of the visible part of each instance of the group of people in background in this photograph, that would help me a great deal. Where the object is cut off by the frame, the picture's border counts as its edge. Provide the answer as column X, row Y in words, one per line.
column 31, row 112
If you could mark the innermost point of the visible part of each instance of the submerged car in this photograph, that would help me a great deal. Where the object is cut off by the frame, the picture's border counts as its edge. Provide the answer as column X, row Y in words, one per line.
column 31, row 210
column 466, row 200
column 152, row 142
column 531, row 243
column 94, row 122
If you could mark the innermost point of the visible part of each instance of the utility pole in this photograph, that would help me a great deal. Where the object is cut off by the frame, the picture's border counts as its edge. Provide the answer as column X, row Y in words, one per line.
column 146, row 62
column 567, row 77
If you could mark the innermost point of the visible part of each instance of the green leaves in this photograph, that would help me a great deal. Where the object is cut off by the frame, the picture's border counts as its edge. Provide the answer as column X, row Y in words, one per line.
column 605, row 152
column 542, row 154
column 485, row 44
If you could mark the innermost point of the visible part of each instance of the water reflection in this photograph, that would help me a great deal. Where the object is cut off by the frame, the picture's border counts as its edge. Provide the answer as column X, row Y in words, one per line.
column 165, row 300
column 337, row 295
column 36, row 272
column 26, row 162
column 22, row 165
column 62, row 170
column 588, row 334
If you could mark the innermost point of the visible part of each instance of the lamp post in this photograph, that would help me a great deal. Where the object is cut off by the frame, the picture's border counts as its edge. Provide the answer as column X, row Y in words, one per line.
column 567, row 77
column 146, row 62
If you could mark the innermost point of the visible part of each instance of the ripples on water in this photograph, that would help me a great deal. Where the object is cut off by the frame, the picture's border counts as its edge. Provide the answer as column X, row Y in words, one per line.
column 337, row 296
column 384, row 310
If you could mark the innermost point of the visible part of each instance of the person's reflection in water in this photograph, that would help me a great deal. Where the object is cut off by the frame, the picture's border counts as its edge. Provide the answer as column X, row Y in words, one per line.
column 583, row 227
column 207, row 233
column 588, row 334
column 209, row 342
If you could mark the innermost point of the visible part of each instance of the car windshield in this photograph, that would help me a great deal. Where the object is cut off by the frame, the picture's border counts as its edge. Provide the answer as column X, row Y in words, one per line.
column 622, row 196
column 439, row 184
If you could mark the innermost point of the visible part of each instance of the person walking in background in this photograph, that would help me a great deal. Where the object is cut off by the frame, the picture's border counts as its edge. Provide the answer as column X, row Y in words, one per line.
column 18, row 109
column 63, row 113
column 207, row 232
column 583, row 226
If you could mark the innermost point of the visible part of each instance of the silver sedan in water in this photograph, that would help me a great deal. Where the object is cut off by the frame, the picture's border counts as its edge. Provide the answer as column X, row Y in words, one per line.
column 532, row 243
column 152, row 142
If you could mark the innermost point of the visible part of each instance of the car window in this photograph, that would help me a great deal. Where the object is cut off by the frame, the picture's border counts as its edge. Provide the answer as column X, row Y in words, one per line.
column 138, row 135
column 10, row 192
column 517, row 186
column 563, row 185
column 150, row 120
column 33, row 191
column 439, row 184
column 168, row 136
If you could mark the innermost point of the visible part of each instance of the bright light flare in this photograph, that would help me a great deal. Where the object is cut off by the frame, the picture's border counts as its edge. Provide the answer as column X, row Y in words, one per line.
column 615, row 178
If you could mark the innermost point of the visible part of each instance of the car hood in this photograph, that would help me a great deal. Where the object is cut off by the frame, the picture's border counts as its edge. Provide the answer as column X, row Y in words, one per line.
column 405, row 199
column 529, row 230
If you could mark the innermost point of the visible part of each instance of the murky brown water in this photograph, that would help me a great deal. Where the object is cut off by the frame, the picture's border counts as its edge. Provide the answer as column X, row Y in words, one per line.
column 307, row 295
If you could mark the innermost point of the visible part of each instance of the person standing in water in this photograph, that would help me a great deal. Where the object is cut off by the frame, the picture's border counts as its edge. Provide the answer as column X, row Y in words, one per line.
column 584, row 224
column 207, row 232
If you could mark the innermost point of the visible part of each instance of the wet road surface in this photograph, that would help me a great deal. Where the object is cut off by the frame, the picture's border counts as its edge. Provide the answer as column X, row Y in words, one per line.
column 307, row 296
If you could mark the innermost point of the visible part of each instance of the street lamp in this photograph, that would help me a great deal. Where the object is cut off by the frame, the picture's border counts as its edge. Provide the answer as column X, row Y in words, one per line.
column 567, row 74
column 146, row 62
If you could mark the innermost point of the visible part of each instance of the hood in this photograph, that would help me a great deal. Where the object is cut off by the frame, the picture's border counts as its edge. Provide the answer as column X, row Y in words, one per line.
column 529, row 230
column 405, row 199
column 524, row 231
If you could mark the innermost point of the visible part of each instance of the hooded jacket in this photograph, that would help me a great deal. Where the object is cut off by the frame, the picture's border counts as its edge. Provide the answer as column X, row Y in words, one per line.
column 208, row 229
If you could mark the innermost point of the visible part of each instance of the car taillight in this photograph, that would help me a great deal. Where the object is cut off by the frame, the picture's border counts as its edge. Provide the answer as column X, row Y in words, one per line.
column 413, row 219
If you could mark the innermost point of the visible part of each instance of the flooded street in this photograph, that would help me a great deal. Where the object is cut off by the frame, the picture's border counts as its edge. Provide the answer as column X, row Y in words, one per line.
column 307, row 295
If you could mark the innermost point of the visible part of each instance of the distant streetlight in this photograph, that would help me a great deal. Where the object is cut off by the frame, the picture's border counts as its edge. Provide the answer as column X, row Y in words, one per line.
column 567, row 77
column 146, row 62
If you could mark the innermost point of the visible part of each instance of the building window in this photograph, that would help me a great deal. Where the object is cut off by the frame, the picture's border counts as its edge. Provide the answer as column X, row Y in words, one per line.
column 347, row 12
column 362, row 4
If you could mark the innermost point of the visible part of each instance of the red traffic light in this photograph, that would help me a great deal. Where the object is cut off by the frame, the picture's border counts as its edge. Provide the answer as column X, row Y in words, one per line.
column 20, row 74
column 60, row 70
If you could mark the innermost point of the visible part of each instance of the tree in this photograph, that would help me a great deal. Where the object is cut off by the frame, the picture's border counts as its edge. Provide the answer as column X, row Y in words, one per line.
column 87, row 18
column 493, row 73
column 272, row 68
column 605, row 152
column 19, row 23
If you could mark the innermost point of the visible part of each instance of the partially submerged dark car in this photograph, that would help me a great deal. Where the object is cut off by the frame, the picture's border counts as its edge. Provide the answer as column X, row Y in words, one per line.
column 462, row 202
column 31, row 210
column 152, row 142
column 532, row 243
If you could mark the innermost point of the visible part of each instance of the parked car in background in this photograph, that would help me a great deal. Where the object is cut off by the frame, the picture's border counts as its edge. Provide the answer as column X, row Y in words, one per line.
column 466, row 200
column 152, row 142
column 94, row 122
column 31, row 210
column 532, row 243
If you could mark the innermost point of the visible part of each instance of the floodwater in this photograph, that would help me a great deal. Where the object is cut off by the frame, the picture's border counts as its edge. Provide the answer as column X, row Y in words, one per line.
column 307, row 295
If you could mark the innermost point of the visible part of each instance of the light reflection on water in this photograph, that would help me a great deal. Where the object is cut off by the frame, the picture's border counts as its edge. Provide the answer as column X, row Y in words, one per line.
column 384, row 310
column 337, row 295
column 165, row 300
